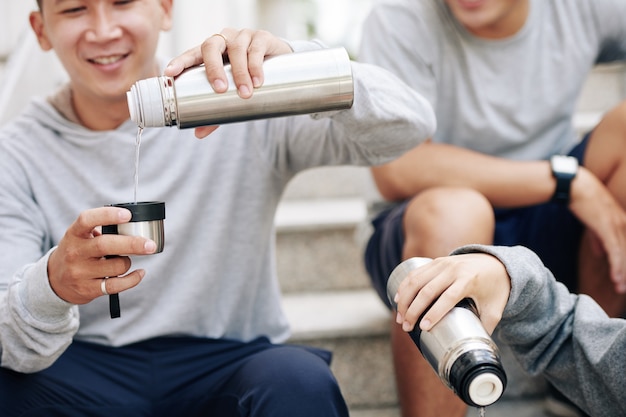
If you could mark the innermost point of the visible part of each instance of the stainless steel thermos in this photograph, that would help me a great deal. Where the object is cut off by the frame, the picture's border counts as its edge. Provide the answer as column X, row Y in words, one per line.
column 297, row 83
column 458, row 347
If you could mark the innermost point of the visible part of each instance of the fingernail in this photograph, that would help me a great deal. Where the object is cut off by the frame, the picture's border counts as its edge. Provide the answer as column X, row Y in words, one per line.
column 149, row 246
column 398, row 318
column 219, row 85
column 244, row 91
column 406, row 326
column 124, row 214
column 256, row 82
column 396, row 298
column 425, row 324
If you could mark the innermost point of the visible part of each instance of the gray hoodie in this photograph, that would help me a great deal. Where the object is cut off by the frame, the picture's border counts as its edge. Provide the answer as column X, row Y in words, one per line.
column 216, row 277
column 568, row 338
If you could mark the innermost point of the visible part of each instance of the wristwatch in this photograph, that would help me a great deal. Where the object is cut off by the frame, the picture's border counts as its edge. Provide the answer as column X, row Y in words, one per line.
column 564, row 169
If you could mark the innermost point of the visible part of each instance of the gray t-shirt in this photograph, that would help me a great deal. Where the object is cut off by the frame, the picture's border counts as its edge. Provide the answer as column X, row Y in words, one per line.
column 512, row 98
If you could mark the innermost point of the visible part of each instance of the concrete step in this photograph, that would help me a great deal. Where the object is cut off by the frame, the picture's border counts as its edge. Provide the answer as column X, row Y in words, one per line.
column 316, row 245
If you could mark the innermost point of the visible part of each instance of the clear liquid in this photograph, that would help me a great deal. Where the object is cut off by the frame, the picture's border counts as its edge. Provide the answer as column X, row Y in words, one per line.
column 481, row 411
column 137, row 146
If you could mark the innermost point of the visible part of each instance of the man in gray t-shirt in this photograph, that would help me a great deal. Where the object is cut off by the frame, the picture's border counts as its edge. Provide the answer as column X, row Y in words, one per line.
column 503, row 77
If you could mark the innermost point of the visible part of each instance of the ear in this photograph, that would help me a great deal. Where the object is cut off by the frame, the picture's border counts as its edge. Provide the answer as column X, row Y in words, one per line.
column 167, row 6
column 36, row 23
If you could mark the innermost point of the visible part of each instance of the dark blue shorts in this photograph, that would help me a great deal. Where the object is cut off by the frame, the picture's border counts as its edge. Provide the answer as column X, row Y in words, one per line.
column 177, row 377
column 549, row 229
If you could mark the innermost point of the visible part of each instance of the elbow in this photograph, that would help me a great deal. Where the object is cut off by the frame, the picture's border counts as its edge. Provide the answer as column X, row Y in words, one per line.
column 386, row 183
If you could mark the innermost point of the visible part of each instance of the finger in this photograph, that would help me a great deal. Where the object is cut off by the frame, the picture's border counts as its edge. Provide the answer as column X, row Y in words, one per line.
column 88, row 220
column 187, row 59
column 432, row 292
column 204, row 131
column 615, row 256
column 238, row 57
column 112, row 244
column 116, row 285
column 411, row 299
column 449, row 298
column 213, row 50
column 259, row 49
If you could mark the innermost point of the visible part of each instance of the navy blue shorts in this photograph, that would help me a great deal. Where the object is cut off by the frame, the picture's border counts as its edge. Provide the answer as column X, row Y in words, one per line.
column 549, row 229
column 177, row 377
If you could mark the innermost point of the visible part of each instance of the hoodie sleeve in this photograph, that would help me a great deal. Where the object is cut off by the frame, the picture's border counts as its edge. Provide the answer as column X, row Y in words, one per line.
column 387, row 119
column 36, row 326
column 568, row 338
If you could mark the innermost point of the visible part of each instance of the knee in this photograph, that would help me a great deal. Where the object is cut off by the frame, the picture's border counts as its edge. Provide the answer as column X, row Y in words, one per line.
column 438, row 210
column 296, row 381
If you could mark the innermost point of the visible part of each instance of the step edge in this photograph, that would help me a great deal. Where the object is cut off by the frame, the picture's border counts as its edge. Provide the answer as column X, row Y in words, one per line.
column 336, row 314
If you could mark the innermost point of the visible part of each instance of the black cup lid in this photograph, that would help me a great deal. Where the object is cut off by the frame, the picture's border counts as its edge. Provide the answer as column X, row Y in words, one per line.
column 143, row 211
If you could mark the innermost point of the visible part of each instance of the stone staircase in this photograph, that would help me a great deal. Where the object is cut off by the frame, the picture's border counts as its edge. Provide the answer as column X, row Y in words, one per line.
column 327, row 295
column 331, row 305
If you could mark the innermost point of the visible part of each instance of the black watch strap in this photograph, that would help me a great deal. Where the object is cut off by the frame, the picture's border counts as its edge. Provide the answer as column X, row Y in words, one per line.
column 564, row 170
column 562, row 191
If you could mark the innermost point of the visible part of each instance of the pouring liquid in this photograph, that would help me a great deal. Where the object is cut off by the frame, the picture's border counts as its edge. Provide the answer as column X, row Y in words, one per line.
column 481, row 411
column 137, row 146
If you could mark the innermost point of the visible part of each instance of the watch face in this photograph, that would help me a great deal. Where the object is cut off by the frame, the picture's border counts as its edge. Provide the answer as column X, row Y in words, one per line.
column 565, row 164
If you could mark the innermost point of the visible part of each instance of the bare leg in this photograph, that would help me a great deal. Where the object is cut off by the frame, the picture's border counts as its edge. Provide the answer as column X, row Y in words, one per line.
column 436, row 222
column 420, row 391
column 606, row 158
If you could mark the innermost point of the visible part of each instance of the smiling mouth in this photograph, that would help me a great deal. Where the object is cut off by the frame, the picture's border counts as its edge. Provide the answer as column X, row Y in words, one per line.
column 107, row 60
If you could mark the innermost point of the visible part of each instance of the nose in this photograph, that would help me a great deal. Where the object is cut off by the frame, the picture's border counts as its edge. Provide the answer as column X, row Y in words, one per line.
column 104, row 27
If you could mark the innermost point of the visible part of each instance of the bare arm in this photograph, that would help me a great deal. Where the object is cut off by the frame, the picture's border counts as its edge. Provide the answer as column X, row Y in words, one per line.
column 434, row 164
column 508, row 183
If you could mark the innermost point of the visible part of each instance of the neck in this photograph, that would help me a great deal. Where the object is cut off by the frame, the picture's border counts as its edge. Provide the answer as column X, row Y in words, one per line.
column 100, row 114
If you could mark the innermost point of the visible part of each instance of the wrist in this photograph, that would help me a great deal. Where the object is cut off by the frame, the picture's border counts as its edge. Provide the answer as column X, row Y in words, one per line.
column 564, row 170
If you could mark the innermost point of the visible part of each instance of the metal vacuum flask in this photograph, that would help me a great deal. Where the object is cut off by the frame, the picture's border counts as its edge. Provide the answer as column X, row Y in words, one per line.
column 297, row 83
column 458, row 347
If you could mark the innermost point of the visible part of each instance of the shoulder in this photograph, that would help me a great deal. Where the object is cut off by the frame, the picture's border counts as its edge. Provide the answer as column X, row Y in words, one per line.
column 406, row 14
column 415, row 28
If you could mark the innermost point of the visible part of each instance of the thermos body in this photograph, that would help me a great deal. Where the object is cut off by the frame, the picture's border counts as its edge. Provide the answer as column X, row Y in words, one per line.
column 458, row 347
column 297, row 83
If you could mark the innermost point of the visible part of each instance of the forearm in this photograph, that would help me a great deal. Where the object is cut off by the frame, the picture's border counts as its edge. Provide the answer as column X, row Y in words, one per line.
column 440, row 165
column 35, row 325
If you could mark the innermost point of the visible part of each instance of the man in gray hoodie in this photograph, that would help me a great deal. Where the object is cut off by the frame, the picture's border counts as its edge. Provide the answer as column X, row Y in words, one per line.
column 568, row 338
column 202, row 327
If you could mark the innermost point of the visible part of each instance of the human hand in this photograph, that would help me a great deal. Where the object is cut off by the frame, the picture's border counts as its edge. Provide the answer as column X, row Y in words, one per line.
column 594, row 205
column 78, row 265
column 448, row 280
column 244, row 49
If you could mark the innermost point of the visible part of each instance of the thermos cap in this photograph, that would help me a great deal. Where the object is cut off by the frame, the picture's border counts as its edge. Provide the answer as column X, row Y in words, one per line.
column 485, row 389
column 144, row 211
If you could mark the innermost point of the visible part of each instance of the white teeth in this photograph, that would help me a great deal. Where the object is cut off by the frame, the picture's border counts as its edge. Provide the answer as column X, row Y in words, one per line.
column 105, row 60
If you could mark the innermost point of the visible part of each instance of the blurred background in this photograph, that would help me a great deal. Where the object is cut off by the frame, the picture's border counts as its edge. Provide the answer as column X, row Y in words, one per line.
column 23, row 64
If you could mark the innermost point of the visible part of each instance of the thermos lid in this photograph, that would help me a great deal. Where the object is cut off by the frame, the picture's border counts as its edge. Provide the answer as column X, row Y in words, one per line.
column 145, row 103
column 144, row 210
column 485, row 389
